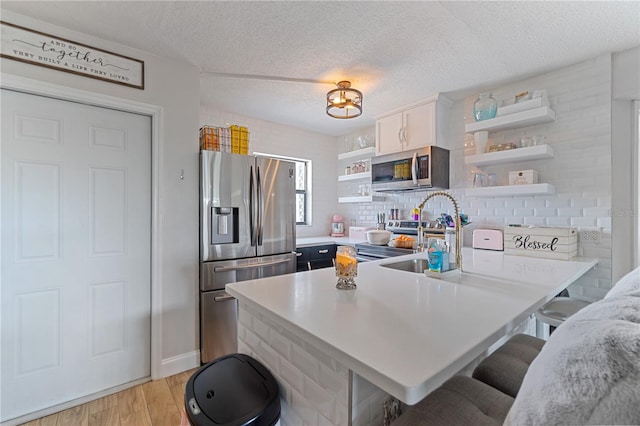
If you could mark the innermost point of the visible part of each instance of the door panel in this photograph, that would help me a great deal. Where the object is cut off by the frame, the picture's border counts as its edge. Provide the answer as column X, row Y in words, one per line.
column 277, row 206
column 420, row 126
column 218, row 325
column 225, row 188
column 76, row 195
column 388, row 134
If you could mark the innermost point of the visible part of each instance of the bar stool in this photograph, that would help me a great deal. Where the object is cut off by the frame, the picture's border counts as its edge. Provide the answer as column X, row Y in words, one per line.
column 556, row 311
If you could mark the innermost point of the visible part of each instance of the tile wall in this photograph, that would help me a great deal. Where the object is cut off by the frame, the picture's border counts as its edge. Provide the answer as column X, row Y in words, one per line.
column 581, row 170
column 314, row 387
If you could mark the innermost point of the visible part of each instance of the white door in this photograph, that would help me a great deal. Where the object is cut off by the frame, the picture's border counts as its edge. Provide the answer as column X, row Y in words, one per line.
column 76, row 249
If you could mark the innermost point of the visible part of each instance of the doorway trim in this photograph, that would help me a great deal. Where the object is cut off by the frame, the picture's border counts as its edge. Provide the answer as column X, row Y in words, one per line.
column 156, row 112
column 635, row 185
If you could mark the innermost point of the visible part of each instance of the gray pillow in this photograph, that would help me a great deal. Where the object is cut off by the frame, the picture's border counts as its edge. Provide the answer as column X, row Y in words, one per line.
column 629, row 285
column 588, row 372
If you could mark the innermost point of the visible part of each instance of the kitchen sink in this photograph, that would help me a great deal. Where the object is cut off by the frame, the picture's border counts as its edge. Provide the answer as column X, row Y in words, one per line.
column 413, row 265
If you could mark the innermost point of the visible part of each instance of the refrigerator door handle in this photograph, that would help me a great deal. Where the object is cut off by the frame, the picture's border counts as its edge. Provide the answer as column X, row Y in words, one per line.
column 223, row 298
column 250, row 266
column 252, row 207
column 260, row 202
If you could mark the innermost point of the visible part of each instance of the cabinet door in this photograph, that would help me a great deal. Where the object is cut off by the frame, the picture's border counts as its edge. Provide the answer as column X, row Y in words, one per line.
column 388, row 134
column 420, row 126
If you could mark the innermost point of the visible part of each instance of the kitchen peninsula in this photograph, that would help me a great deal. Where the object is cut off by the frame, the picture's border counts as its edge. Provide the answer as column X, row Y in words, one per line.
column 339, row 354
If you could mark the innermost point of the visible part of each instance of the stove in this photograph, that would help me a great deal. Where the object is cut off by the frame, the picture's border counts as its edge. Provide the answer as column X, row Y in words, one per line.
column 410, row 227
column 367, row 251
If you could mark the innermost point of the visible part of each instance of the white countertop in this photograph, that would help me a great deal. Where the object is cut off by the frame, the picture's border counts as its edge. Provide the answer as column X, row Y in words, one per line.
column 403, row 331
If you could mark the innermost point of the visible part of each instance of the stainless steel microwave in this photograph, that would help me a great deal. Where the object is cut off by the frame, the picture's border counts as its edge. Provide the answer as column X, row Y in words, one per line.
column 422, row 169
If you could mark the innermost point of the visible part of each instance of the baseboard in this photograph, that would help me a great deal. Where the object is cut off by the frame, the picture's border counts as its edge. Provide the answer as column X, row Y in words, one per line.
column 179, row 363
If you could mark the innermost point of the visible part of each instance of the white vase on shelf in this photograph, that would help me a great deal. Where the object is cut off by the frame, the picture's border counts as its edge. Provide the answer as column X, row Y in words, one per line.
column 481, row 139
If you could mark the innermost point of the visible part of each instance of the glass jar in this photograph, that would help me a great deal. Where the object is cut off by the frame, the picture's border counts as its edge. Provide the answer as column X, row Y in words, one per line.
column 346, row 268
column 485, row 107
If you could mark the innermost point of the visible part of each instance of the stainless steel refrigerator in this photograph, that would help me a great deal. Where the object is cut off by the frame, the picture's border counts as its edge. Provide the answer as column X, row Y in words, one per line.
column 247, row 231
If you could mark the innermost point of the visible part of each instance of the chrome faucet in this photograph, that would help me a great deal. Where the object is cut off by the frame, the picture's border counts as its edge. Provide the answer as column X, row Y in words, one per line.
column 458, row 223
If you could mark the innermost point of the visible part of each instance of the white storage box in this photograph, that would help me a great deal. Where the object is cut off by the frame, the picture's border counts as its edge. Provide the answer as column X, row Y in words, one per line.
column 523, row 177
column 549, row 243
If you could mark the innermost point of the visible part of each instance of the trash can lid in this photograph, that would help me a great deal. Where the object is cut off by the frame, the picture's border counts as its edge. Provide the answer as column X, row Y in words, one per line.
column 235, row 389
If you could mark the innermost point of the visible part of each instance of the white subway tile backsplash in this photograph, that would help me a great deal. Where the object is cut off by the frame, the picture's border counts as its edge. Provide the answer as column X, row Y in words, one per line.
column 249, row 337
column 289, row 416
column 269, row 357
column 361, row 415
column 304, row 409
column 569, row 212
column 306, row 363
column 280, row 344
column 323, row 401
column 583, row 221
column 535, row 221
column 260, row 327
column 525, row 212
column 333, row 382
column 323, row 421
column 545, row 212
column 604, row 222
column 291, row 375
column 342, row 412
column 558, row 221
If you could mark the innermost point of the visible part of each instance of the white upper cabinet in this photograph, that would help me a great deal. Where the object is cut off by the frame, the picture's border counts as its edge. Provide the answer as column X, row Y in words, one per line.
column 412, row 127
column 389, row 134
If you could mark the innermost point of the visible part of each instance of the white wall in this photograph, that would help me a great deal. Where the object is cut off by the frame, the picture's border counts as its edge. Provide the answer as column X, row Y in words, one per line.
column 581, row 171
column 277, row 139
column 174, row 87
column 626, row 88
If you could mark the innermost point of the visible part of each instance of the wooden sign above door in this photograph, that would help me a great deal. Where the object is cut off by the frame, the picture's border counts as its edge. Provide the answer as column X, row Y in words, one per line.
column 34, row 47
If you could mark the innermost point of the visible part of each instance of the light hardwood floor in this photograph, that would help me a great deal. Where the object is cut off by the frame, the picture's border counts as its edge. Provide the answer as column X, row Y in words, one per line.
column 156, row 403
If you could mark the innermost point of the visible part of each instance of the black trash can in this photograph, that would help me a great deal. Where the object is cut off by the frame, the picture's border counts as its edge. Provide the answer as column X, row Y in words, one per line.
column 232, row 390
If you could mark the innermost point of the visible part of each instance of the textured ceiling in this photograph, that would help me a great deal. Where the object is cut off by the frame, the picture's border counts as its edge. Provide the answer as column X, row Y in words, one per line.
column 394, row 52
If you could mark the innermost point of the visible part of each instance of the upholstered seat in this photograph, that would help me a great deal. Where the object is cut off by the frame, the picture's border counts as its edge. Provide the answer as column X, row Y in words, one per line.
column 505, row 368
column 460, row 401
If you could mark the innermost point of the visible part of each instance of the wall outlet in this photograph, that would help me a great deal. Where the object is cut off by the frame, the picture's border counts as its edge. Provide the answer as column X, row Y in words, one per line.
column 590, row 236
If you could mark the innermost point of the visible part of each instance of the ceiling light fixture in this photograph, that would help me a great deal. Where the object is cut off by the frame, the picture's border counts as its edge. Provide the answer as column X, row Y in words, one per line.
column 344, row 102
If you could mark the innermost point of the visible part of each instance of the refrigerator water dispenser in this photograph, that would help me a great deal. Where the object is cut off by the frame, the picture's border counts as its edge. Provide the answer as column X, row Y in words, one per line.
column 224, row 225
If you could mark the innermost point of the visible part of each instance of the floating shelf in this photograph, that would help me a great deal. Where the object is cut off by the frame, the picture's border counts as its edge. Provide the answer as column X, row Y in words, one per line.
column 360, row 199
column 354, row 176
column 511, row 155
column 529, row 117
column 358, row 153
column 498, row 191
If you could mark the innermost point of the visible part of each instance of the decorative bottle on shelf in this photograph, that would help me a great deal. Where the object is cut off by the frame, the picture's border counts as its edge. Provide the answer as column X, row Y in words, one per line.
column 485, row 107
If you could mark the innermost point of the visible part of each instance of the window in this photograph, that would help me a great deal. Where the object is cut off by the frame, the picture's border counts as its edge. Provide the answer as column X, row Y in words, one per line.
column 301, row 193
column 303, row 187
